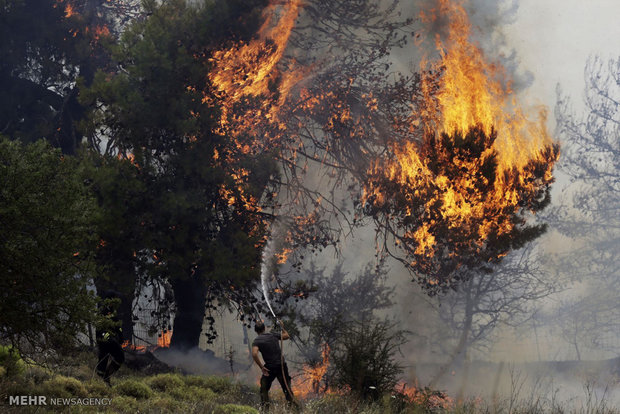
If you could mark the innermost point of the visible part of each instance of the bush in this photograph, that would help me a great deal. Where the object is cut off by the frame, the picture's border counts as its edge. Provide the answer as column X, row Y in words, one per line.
column 16, row 386
column 38, row 373
column 133, row 388
column 165, row 382
column 167, row 404
column 235, row 409
column 44, row 203
column 125, row 404
column 11, row 361
column 193, row 393
column 97, row 388
column 364, row 360
column 64, row 387
column 217, row 384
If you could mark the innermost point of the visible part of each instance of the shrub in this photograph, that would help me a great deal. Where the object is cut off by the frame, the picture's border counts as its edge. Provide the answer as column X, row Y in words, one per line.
column 167, row 404
column 11, row 361
column 193, row 393
column 97, row 388
column 125, row 404
column 217, row 384
column 61, row 386
column 38, row 373
column 133, row 388
column 165, row 382
column 16, row 386
column 235, row 409
column 364, row 360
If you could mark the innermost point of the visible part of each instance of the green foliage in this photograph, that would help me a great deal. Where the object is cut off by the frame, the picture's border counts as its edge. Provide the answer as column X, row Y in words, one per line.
column 98, row 388
column 10, row 361
column 167, row 404
column 235, row 409
column 61, row 386
column 184, row 200
column 364, row 359
column 193, row 393
column 126, row 404
column 47, row 217
column 44, row 50
column 165, row 382
column 215, row 383
column 134, row 388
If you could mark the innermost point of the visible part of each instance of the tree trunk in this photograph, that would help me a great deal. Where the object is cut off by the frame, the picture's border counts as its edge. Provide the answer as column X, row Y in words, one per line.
column 461, row 347
column 190, row 298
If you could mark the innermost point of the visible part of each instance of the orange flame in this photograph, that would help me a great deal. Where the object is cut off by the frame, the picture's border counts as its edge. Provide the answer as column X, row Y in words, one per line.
column 471, row 93
column 163, row 340
column 480, row 163
column 431, row 400
column 128, row 346
column 69, row 10
column 309, row 382
column 248, row 69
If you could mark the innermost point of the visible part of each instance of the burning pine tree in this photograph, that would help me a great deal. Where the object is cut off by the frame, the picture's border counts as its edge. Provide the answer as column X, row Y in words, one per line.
column 463, row 194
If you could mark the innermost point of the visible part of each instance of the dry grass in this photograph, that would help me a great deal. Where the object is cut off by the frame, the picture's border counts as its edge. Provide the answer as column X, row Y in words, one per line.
column 178, row 393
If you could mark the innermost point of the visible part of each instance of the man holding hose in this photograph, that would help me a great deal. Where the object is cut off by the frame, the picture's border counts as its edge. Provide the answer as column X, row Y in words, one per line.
column 268, row 343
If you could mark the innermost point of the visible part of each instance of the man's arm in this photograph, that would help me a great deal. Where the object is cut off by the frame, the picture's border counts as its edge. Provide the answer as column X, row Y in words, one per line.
column 284, row 334
column 259, row 362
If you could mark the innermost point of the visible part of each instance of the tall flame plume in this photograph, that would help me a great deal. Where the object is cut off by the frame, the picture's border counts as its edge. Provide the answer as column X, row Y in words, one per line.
column 463, row 192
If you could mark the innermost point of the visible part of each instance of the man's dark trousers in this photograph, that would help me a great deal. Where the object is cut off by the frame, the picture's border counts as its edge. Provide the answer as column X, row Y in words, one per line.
column 275, row 371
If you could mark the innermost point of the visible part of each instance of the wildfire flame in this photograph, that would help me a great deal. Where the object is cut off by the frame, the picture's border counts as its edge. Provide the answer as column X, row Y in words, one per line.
column 471, row 93
column 69, row 10
column 247, row 70
column 309, row 382
column 163, row 341
column 433, row 401
column 479, row 168
column 128, row 346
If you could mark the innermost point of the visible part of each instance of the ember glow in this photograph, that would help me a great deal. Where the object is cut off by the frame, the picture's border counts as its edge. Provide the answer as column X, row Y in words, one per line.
column 466, row 188
column 69, row 10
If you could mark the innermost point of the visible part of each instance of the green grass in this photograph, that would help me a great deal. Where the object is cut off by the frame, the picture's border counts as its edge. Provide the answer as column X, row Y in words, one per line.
column 177, row 393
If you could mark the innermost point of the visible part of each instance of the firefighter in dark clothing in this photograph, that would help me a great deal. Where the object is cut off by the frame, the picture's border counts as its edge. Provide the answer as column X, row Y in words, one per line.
column 268, row 344
column 109, row 339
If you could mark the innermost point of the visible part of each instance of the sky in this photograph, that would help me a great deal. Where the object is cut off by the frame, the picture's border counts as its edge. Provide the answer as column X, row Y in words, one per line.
column 554, row 38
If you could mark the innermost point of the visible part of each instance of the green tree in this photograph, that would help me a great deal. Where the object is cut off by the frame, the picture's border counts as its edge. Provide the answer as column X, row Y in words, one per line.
column 119, row 191
column 197, row 215
column 46, row 213
column 46, row 45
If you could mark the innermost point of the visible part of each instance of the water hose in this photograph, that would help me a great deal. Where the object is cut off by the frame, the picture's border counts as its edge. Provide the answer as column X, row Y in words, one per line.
column 286, row 381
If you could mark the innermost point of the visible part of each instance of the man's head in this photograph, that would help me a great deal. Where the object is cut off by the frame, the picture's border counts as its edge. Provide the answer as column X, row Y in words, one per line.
column 259, row 327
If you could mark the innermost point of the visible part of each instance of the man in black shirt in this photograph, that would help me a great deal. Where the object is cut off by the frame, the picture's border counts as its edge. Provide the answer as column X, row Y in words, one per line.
column 109, row 338
column 268, row 343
